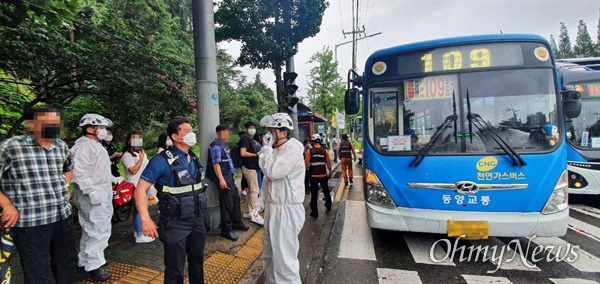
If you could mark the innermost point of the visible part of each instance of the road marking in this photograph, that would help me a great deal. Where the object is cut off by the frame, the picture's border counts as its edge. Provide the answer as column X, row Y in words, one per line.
column 587, row 210
column 393, row 276
column 420, row 248
column 346, row 194
column 339, row 192
column 584, row 228
column 511, row 258
column 356, row 241
column 479, row 279
column 584, row 261
column 572, row 281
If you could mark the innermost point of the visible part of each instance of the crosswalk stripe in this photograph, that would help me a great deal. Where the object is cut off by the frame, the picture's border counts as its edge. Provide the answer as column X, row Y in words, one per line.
column 356, row 241
column 420, row 247
column 584, row 261
column 393, row 276
column 511, row 259
column 572, row 281
column 479, row 279
column 584, row 228
column 587, row 210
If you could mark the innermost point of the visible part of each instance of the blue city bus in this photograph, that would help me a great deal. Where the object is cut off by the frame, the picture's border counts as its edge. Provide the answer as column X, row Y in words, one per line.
column 583, row 127
column 463, row 136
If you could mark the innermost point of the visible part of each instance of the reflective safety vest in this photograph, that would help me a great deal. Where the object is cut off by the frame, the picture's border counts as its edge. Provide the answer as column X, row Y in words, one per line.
column 345, row 149
column 318, row 161
column 185, row 194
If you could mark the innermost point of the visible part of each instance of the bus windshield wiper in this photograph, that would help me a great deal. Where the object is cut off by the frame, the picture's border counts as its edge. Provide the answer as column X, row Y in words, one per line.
column 440, row 132
column 484, row 127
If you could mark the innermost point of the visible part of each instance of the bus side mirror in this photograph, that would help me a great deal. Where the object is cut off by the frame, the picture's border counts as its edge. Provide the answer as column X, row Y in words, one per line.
column 352, row 101
column 571, row 100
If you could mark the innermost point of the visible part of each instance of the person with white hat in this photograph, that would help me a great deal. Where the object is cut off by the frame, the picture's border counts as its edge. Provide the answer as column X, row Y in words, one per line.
column 282, row 162
column 92, row 194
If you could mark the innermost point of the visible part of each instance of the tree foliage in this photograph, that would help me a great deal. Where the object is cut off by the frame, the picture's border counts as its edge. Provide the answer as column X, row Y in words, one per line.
column 564, row 43
column 269, row 30
column 584, row 46
column 326, row 87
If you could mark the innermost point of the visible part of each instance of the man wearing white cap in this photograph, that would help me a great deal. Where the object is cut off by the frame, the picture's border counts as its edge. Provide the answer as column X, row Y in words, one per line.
column 92, row 194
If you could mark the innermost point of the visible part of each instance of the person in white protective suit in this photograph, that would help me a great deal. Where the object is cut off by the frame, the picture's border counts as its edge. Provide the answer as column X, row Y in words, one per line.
column 92, row 194
column 281, row 198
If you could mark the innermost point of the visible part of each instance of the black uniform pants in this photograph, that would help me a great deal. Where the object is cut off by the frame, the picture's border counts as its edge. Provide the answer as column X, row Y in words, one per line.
column 229, row 203
column 314, row 192
column 183, row 238
column 47, row 252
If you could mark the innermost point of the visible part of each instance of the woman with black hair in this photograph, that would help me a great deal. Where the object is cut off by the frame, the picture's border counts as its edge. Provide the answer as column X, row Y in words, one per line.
column 112, row 153
column 164, row 142
column 135, row 161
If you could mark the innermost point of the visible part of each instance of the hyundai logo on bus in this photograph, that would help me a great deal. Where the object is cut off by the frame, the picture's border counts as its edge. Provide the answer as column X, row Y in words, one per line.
column 466, row 187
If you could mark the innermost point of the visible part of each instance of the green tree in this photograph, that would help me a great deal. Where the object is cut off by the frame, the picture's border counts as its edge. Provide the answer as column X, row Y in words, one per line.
column 326, row 88
column 584, row 46
column 564, row 43
column 553, row 45
column 269, row 30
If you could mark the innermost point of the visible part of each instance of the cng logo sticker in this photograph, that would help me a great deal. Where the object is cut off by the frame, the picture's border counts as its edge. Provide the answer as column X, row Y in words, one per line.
column 487, row 164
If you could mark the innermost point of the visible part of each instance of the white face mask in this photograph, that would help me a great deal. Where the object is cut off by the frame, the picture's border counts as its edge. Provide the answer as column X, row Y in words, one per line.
column 169, row 143
column 190, row 139
column 101, row 134
column 108, row 138
column 252, row 131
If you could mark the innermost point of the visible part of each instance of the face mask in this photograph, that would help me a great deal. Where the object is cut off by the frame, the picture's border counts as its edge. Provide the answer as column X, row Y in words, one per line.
column 108, row 138
column 252, row 131
column 101, row 134
column 190, row 139
column 169, row 143
column 50, row 131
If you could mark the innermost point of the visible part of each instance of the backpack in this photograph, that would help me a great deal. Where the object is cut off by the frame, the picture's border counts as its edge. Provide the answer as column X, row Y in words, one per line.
column 236, row 156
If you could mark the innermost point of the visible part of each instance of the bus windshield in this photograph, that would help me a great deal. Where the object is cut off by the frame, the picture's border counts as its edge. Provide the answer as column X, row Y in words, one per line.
column 519, row 105
column 584, row 130
column 358, row 129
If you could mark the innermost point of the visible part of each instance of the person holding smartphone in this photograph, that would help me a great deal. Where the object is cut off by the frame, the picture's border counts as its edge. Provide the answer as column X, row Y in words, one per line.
column 221, row 172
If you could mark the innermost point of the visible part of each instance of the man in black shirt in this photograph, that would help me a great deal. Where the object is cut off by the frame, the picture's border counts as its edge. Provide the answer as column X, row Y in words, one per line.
column 249, row 154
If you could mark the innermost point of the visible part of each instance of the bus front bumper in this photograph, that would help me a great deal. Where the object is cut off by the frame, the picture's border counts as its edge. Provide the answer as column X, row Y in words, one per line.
column 501, row 224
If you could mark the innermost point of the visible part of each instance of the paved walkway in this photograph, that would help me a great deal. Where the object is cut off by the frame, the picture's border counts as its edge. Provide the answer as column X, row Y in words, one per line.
column 225, row 261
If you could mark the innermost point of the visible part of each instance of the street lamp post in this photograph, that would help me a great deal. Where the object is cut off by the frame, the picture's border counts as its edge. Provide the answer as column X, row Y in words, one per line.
column 346, row 42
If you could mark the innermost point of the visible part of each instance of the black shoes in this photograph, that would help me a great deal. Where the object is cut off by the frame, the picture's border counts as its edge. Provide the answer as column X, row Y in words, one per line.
column 351, row 182
column 241, row 228
column 314, row 214
column 99, row 274
column 346, row 184
column 328, row 208
column 230, row 236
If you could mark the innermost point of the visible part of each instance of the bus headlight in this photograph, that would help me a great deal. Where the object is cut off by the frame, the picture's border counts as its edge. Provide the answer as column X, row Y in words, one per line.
column 376, row 193
column 559, row 198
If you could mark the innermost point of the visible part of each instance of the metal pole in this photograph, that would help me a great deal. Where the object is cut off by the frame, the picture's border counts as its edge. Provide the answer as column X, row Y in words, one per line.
column 289, row 67
column 205, row 55
column 346, row 42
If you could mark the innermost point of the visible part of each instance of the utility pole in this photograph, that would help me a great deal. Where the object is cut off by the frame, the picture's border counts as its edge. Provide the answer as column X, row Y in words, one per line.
column 354, row 32
column 205, row 55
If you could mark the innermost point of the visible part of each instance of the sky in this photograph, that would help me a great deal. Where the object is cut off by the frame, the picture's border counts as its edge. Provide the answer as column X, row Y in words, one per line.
column 407, row 21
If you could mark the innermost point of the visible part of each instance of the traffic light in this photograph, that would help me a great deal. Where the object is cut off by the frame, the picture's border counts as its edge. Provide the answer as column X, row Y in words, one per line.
column 289, row 89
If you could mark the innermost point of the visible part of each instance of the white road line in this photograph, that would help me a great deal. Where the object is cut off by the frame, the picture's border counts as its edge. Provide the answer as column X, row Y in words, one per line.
column 356, row 242
column 564, row 251
column 511, row 258
column 479, row 279
column 584, row 228
column 571, row 281
column 394, row 276
column 587, row 210
column 420, row 248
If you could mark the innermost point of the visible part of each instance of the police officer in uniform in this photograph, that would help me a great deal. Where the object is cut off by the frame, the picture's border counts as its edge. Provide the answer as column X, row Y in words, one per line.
column 317, row 159
column 177, row 175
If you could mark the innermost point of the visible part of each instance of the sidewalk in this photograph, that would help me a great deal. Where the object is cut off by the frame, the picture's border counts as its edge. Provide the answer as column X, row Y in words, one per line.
column 224, row 261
